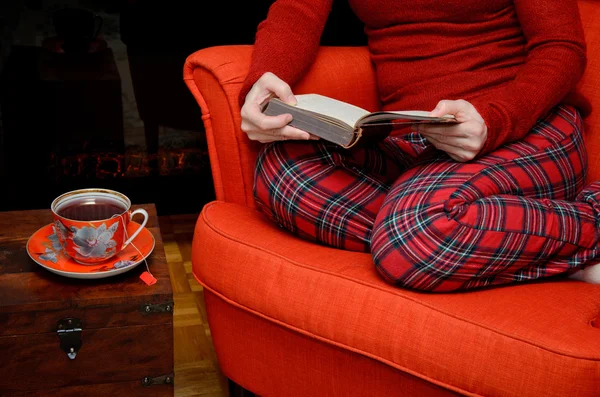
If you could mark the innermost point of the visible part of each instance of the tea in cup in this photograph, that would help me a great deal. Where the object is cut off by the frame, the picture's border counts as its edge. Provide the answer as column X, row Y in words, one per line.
column 91, row 224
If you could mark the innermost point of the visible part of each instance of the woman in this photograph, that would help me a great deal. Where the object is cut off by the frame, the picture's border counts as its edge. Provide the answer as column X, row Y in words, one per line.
column 497, row 198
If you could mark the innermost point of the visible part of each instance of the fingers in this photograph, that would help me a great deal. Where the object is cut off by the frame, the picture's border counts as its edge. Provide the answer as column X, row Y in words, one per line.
column 279, row 134
column 253, row 118
column 280, row 88
column 456, row 130
column 463, row 140
column 289, row 132
column 465, row 148
column 455, row 152
column 458, row 142
column 456, row 108
column 472, row 130
column 269, row 85
column 261, row 127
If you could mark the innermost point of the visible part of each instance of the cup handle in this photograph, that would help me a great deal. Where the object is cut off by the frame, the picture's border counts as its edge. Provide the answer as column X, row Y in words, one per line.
column 138, row 211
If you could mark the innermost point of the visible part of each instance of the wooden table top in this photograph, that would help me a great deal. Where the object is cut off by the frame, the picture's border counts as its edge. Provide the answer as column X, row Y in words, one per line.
column 26, row 286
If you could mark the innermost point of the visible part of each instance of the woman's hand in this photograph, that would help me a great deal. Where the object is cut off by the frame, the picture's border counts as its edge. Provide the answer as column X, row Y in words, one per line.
column 462, row 141
column 260, row 127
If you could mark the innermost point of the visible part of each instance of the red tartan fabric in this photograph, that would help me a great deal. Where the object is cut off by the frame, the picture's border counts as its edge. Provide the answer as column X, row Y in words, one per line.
column 516, row 214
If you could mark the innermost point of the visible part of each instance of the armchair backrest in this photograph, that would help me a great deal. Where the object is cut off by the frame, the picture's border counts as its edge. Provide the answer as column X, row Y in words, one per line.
column 215, row 75
column 590, row 84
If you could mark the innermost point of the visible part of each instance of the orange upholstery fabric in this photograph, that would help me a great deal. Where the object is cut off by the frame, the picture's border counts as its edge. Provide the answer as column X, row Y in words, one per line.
column 590, row 84
column 522, row 341
column 292, row 318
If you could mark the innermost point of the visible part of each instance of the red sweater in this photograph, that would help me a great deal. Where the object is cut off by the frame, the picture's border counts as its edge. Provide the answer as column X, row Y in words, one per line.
column 513, row 60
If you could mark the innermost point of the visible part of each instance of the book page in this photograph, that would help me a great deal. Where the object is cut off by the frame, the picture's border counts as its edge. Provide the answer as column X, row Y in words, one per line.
column 405, row 116
column 346, row 112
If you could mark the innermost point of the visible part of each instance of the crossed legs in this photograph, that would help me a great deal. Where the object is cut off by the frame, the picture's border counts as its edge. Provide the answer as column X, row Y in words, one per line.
column 430, row 223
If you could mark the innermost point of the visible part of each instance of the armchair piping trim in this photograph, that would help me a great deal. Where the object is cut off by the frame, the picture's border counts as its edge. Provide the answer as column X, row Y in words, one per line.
column 189, row 69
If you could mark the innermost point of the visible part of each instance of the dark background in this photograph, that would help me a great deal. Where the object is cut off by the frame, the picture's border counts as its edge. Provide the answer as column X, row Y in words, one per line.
column 118, row 116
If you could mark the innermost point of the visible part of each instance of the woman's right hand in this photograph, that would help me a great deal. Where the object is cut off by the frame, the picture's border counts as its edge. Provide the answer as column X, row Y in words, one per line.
column 260, row 127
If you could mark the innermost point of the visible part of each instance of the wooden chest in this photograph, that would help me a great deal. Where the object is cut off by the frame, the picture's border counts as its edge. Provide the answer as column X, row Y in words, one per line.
column 64, row 337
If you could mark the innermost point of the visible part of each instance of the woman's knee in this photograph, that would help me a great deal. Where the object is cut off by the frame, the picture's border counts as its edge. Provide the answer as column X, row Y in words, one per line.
column 422, row 248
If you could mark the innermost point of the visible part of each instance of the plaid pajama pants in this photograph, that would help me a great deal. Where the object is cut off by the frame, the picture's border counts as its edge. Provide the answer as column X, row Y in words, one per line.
column 519, row 213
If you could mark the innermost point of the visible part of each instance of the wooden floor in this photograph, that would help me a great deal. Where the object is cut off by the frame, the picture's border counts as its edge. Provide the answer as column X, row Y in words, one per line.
column 196, row 368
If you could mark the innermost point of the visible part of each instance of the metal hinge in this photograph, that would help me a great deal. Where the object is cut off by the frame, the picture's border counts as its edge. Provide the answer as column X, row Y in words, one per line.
column 159, row 380
column 166, row 307
column 69, row 333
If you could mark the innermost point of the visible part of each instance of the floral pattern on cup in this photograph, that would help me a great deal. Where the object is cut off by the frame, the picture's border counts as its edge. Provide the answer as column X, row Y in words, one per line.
column 92, row 224
column 60, row 232
column 97, row 243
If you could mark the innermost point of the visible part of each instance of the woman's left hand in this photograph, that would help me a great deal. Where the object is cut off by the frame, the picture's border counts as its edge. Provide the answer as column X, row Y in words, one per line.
column 463, row 140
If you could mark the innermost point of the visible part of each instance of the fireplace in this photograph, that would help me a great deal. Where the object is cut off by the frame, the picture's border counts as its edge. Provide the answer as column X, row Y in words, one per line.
column 72, row 119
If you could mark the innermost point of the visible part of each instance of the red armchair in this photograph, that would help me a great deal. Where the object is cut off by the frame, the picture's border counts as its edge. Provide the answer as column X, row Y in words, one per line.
column 291, row 318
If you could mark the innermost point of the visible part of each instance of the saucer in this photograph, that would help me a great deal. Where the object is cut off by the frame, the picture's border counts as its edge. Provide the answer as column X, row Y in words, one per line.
column 43, row 247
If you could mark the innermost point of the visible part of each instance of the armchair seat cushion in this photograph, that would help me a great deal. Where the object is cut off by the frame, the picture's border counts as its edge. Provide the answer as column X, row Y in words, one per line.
column 526, row 340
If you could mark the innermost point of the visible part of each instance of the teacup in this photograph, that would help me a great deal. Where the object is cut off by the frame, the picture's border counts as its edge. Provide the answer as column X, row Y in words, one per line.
column 91, row 224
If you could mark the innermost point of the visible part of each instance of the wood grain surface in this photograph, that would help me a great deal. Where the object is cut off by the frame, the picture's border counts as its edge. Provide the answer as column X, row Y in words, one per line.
column 121, row 344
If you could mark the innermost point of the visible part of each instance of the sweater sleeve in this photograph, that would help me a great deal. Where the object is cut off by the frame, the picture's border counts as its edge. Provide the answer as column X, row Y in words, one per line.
column 287, row 41
column 556, row 59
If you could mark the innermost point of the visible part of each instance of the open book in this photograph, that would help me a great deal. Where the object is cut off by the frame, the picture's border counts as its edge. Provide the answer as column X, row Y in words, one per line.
column 343, row 123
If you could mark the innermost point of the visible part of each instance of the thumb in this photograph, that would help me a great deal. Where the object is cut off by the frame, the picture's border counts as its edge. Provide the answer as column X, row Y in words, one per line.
column 445, row 107
column 291, row 99
column 288, row 98
column 285, row 94
column 281, row 89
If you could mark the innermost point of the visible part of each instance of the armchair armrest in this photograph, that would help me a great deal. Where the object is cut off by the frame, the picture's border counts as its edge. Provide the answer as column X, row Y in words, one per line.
column 214, row 75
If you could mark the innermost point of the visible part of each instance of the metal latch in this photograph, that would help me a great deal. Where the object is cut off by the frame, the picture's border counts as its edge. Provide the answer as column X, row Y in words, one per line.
column 69, row 332
column 159, row 380
column 166, row 307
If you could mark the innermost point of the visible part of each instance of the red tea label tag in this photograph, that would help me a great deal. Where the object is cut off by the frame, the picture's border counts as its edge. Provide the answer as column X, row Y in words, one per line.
column 148, row 278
